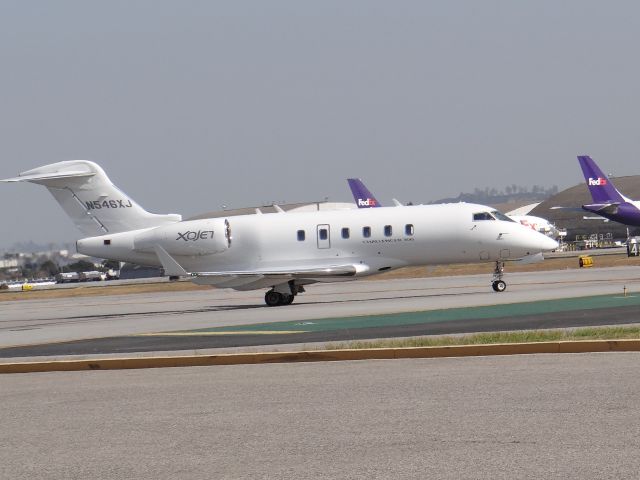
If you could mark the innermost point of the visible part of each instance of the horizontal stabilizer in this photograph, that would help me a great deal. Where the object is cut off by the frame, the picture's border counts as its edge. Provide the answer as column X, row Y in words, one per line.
column 48, row 176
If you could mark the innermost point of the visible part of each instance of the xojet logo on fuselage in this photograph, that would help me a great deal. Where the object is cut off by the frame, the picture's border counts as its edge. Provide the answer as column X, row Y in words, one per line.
column 597, row 181
column 369, row 202
column 193, row 236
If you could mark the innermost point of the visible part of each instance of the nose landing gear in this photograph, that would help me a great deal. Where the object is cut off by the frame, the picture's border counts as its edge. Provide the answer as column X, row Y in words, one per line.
column 498, row 284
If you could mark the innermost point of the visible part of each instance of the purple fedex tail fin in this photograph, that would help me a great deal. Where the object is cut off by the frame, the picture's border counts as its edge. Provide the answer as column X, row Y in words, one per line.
column 601, row 189
column 363, row 197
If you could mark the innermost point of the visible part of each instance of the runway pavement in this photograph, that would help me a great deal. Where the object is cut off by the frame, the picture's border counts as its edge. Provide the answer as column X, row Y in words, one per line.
column 41, row 322
column 544, row 416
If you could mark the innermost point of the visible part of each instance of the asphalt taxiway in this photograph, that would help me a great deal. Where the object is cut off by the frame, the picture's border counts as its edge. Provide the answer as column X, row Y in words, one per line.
column 543, row 416
column 327, row 312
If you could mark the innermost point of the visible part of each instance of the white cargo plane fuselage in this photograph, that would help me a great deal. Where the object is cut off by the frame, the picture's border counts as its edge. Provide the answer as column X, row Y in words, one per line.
column 283, row 251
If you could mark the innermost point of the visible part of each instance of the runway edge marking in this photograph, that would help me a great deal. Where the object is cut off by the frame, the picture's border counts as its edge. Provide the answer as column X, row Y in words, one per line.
column 584, row 346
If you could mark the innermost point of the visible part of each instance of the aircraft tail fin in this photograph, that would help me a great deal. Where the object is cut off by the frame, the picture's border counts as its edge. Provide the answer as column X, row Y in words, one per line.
column 96, row 206
column 601, row 189
column 363, row 197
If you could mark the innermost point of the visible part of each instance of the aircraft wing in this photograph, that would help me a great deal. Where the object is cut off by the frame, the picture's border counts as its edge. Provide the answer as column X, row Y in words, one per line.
column 320, row 271
column 235, row 279
column 568, row 209
column 607, row 208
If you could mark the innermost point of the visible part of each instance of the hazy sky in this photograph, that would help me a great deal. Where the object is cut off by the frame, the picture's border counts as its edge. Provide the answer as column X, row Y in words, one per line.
column 189, row 105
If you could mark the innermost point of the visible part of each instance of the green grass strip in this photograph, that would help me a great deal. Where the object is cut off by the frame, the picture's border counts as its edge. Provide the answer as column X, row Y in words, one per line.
column 441, row 315
column 589, row 333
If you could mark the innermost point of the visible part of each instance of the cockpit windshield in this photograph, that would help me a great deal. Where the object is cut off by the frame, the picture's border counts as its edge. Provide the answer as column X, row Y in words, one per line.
column 501, row 216
column 482, row 216
column 493, row 215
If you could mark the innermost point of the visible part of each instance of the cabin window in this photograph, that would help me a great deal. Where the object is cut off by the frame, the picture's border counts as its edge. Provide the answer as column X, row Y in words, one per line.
column 366, row 232
column 345, row 233
column 301, row 235
column 388, row 231
column 107, row 242
column 323, row 234
column 408, row 230
column 482, row 216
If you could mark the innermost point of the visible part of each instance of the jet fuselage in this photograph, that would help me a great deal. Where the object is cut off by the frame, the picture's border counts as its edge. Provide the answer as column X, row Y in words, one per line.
column 378, row 239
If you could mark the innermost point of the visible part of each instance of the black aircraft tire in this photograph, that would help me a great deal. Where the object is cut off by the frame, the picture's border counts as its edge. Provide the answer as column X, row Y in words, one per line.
column 287, row 300
column 499, row 286
column 273, row 298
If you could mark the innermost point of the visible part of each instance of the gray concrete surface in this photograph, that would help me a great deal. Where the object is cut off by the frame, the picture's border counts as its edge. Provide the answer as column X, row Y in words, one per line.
column 546, row 416
column 41, row 321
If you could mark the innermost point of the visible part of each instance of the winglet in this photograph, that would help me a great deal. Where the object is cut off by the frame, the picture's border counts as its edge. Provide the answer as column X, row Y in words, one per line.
column 600, row 187
column 363, row 197
column 171, row 267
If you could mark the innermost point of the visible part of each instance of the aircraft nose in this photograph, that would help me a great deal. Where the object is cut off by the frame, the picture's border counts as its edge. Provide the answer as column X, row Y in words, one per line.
column 548, row 244
column 542, row 243
column 538, row 242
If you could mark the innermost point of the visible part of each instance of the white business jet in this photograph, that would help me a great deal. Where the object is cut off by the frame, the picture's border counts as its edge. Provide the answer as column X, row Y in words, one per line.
column 282, row 251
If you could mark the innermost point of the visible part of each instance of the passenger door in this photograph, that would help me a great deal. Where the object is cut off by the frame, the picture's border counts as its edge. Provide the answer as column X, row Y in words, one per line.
column 324, row 236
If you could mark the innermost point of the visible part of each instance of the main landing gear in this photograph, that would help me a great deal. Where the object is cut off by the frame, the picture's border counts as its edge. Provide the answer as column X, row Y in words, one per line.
column 498, row 284
column 282, row 294
column 274, row 299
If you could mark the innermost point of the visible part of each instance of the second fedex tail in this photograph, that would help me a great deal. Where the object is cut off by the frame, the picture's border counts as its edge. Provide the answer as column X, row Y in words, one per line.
column 608, row 202
column 363, row 197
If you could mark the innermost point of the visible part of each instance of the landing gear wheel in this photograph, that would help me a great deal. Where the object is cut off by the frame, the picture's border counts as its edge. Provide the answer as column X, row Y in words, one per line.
column 273, row 298
column 499, row 286
column 287, row 299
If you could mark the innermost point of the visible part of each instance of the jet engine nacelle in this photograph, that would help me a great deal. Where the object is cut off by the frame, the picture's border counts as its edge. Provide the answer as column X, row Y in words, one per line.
column 194, row 237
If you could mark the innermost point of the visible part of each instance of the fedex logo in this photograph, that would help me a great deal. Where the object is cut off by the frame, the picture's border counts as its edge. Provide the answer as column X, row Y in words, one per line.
column 526, row 223
column 369, row 202
column 597, row 181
